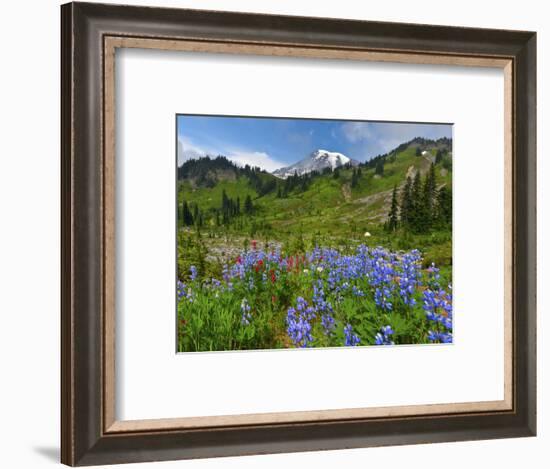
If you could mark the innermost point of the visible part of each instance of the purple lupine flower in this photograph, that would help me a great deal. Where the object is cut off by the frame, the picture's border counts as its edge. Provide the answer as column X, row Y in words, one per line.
column 382, row 297
column 440, row 337
column 181, row 290
column 350, row 339
column 328, row 323
column 433, row 276
column 383, row 337
column 409, row 276
column 246, row 317
column 439, row 310
column 298, row 328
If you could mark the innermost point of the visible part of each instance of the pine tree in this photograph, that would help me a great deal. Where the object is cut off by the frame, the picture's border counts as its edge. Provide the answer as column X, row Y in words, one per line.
column 288, row 187
column 429, row 198
column 444, row 207
column 186, row 215
column 225, row 208
column 248, row 206
column 195, row 213
column 416, row 203
column 392, row 217
column 418, row 152
column 407, row 206
column 379, row 169
column 354, row 178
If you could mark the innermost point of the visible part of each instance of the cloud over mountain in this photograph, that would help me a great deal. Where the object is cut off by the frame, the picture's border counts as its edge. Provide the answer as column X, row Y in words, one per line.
column 188, row 150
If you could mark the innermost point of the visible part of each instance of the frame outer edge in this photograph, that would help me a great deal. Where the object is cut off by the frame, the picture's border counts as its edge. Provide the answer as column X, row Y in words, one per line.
column 67, row 420
column 526, row 226
column 308, row 31
column 81, row 333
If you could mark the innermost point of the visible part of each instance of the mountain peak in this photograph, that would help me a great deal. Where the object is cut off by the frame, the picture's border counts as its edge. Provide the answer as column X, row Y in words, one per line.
column 318, row 160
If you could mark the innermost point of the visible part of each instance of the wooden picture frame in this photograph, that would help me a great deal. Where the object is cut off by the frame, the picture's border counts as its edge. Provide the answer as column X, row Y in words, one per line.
column 90, row 34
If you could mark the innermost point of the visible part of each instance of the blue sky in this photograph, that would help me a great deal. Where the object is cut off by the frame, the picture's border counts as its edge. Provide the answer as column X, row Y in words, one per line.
column 273, row 143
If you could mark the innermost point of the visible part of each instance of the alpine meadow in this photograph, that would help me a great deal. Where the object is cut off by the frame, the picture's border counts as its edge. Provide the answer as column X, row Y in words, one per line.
column 300, row 233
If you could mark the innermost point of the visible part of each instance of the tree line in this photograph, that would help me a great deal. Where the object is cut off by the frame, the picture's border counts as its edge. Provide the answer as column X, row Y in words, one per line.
column 204, row 172
column 295, row 182
column 420, row 206
column 192, row 215
column 300, row 183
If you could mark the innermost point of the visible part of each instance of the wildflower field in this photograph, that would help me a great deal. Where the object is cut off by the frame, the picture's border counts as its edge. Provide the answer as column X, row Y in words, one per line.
column 327, row 251
column 325, row 297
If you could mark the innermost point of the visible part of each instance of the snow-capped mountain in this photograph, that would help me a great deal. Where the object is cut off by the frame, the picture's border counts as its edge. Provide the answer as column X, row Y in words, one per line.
column 316, row 161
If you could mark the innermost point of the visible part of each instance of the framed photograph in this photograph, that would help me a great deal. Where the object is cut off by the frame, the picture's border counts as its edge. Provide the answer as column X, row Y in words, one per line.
column 301, row 248
column 293, row 234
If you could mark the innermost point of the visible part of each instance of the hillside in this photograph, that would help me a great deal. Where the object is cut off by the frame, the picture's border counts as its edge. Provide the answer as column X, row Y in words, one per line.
column 333, row 206
column 335, row 199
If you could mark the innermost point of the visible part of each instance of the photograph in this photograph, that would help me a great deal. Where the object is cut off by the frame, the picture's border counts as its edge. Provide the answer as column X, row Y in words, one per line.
column 301, row 233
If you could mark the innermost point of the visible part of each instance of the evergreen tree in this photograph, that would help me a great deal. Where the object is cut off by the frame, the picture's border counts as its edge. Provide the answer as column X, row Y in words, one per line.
column 418, row 152
column 429, row 198
column 248, row 206
column 336, row 173
column 186, row 215
column 392, row 217
column 354, row 178
column 416, row 202
column 287, row 188
column 379, row 169
column 225, row 208
column 407, row 205
column 444, row 207
column 195, row 213
column 438, row 156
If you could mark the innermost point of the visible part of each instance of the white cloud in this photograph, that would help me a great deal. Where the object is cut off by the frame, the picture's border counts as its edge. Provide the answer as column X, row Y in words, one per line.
column 372, row 138
column 188, row 150
column 357, row 131
column 255, row 158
